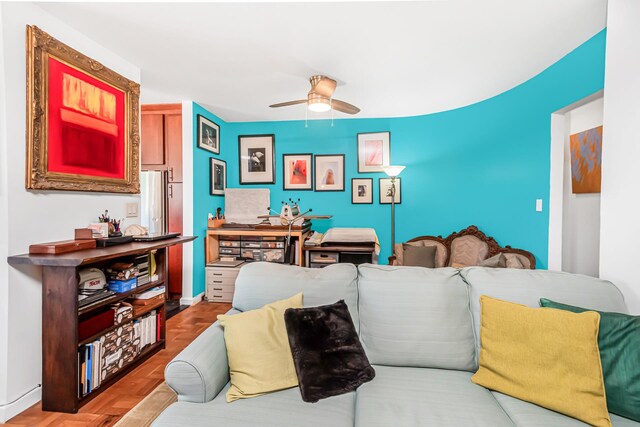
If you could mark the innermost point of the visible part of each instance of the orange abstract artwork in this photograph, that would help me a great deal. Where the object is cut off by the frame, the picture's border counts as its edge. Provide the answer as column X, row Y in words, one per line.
column 88, row 106
column 586, row 161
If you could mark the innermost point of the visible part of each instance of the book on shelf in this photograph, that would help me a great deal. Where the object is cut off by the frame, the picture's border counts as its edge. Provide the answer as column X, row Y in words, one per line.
column 158, row 290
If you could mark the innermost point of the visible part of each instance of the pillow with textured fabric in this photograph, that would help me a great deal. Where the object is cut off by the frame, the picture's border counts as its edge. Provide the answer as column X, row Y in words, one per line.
column 619, row 344
column 419, row 256
column 496, row 261
column 514, row 262
column 544, row 356
column 258, row 350
column 327, row 353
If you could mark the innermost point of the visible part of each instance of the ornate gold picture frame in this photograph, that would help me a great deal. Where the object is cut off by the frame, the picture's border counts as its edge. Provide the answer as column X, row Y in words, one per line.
column 82, row 121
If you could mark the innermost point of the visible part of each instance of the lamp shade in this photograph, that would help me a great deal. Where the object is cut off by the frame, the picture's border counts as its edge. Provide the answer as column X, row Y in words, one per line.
column 319, row 105
column 393, row 170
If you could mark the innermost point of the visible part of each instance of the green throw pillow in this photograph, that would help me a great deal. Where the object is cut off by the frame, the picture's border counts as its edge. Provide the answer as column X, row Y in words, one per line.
column 619, row 343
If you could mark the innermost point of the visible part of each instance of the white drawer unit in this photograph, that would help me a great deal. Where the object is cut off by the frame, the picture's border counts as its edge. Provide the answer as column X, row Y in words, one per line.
column 220, row 283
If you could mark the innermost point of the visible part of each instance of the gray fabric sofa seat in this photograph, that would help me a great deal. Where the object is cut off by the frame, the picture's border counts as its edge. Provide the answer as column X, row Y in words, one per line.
column 414, row 397
column 419, row 328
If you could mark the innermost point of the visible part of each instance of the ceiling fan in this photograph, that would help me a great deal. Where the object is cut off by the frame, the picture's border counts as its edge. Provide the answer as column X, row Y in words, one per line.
column 320, row 97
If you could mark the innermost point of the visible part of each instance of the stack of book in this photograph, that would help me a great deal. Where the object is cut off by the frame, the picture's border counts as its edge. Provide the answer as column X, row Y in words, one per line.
column 90, row 363
column 147, row 329
column 142, row 264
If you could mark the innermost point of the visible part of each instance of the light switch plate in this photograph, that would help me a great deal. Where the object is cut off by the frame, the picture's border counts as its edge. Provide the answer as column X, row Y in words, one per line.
column 538, row 205
column 132, row 210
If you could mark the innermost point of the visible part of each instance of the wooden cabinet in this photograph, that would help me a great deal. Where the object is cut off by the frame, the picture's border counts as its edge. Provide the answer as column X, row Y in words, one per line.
column 174, row 193
column 161, row 146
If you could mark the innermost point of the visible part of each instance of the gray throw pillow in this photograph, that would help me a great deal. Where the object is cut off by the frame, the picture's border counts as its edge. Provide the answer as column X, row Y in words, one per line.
column 419, row 256
column 496, row 261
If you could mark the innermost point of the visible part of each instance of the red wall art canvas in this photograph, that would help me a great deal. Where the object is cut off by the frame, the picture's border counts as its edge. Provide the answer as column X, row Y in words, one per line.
column 297, row 172
column 586, row 161
column 83, row 121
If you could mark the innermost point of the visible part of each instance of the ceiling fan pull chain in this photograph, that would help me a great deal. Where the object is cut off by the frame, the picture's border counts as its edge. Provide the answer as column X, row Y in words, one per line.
column 331, row 106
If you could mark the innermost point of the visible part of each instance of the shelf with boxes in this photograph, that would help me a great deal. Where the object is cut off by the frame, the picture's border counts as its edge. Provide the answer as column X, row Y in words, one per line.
column 73, row 335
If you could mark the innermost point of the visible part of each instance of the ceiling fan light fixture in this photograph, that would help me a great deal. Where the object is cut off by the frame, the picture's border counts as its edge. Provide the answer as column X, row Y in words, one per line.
column 319, row 105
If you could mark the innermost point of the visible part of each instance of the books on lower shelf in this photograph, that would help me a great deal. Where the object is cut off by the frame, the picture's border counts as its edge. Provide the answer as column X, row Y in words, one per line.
column 147, row 328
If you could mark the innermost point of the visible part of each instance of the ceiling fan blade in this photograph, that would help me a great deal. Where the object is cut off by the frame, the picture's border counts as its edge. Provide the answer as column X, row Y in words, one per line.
column 344, row 107
column 323, row 86
column 286, row 104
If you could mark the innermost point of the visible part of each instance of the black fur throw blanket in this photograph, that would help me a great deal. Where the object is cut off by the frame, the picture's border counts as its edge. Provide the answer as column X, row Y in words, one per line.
column 327, row 352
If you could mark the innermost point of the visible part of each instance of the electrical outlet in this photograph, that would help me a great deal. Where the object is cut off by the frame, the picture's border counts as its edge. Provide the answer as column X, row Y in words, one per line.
column 538, row 205
column 132, row 210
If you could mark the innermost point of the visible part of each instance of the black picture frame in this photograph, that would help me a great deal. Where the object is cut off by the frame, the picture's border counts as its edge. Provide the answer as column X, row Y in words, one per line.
column 384, row 186
column 213, row 175
column 361, row 139
column 213, row 147
column 286, row 186
column 260, row 172
column 353, row 191
column 317, row 180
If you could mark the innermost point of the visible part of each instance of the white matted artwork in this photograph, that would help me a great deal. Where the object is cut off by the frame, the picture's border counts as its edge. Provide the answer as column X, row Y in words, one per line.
column 243, row 205
column 257, row 159
column 218, row 176
column 385, row 191
column 374, row 151
column 329, row 172
column 361, row 191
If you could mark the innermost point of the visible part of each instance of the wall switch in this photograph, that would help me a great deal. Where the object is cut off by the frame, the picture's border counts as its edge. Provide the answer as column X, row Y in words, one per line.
column 538, row 205
column 132, row 210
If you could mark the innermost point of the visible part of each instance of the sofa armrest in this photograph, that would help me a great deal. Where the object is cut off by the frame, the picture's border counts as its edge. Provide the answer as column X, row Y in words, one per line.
column 201, row 370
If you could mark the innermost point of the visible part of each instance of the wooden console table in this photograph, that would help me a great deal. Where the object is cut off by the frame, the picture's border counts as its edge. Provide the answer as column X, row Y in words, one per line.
column 321, row 256
column 60, row 316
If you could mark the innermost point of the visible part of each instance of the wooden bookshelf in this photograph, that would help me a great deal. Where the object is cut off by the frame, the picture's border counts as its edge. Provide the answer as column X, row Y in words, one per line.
column 61, row 315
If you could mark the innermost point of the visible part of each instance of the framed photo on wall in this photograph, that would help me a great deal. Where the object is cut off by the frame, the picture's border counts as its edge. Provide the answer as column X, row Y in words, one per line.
column 374, row 151
column 82, row 121
column 256, row 157
column 218, row 176
column 208, row 135
column 361, row 191
column 385, row 191
column 329, row 172
column 297, row 172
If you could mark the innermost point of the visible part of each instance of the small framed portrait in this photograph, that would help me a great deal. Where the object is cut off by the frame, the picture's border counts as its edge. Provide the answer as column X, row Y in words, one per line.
column 374, row 151
column 361, row 191
column 218, row 172
column 256, row 155
column 329, row 172
column 208, row 135
column 297, row 172
column 385, row 191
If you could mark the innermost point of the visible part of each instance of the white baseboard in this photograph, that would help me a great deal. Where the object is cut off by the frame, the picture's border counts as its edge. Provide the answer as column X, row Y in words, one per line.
column 12, row 409
column 192, row 300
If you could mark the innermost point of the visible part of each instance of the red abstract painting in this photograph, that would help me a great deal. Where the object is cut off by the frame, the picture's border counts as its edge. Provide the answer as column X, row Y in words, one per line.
column 298, row 172
column 86, row 124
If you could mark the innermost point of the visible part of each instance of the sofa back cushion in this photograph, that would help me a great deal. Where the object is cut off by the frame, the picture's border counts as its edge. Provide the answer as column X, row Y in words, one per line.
column 468, row 250
column 413, row 316
column 262, row 283
column 528, row 286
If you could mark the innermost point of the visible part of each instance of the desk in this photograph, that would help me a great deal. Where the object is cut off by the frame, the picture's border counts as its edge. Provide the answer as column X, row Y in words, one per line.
column 321, row 256
column 212, row 240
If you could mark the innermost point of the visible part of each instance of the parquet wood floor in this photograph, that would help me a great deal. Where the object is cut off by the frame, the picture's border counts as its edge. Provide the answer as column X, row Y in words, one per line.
column 107, row 408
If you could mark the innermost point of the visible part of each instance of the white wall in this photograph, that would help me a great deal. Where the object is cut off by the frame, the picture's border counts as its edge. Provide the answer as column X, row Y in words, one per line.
column 620, row 210
column 34, row 216
column 581, row 212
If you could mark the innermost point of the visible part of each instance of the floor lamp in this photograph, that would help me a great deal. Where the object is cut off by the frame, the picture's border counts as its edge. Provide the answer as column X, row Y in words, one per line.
column 393, row 172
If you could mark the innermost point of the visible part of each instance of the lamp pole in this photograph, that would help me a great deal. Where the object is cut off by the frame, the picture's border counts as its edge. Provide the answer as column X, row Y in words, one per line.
column 393, row 214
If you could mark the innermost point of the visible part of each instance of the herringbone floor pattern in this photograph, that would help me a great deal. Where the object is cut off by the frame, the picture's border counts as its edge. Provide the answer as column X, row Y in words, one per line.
column 107, row 408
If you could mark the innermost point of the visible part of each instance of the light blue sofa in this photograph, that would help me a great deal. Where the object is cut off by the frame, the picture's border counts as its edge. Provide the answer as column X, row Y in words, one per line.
column 420, row 330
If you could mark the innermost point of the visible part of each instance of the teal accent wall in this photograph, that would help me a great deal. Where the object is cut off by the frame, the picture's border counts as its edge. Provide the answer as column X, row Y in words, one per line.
column 483, row 164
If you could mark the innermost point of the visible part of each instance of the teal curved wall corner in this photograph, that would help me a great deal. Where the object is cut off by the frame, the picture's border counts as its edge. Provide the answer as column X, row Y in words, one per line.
column 483, row 164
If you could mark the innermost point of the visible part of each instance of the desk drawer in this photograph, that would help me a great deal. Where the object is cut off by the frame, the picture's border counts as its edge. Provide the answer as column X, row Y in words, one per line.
column 272, row 245
column 229, row 244
column 324, row 257
column 220, row 288
column 217, row 296
column 229, row 251
column 222, row 273
column 251, row 245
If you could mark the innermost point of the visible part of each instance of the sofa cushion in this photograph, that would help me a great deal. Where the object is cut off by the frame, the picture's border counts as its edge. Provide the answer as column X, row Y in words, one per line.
column 280, row 409
column 528, row 286
column 441, row 251
column 412, row 316
column 419, row 256
column 260, row 283
column 525, row 414
column 410, row 397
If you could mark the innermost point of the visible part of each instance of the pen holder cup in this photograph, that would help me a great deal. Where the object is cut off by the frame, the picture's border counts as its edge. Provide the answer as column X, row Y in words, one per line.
column 216, row 223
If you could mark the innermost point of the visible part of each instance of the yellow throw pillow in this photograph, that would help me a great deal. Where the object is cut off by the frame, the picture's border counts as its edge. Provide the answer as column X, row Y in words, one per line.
column 544, row 356
column 258, row 350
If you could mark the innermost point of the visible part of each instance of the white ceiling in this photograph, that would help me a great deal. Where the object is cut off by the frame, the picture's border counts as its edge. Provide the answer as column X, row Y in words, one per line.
column 389, row 58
